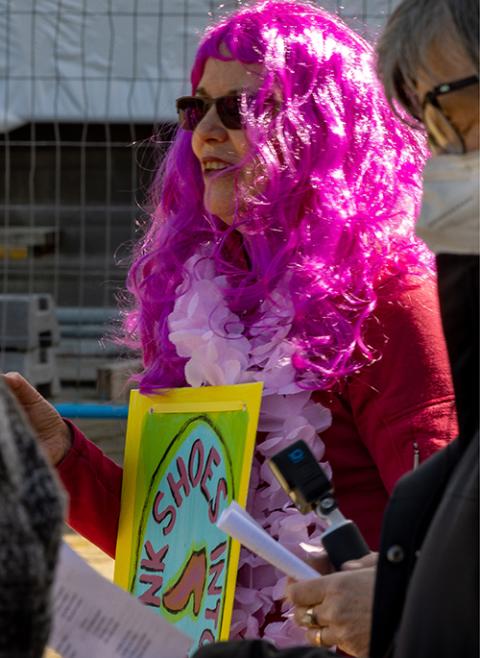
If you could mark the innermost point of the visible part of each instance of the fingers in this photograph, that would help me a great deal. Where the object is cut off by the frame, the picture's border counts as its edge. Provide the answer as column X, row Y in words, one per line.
column 311, row 617
column 22, row 389
column 51, row 430
column 300, row 614
column 340, row 605
column 320, row 637
column 320, row 562
column 306, row 593
column 367, row 561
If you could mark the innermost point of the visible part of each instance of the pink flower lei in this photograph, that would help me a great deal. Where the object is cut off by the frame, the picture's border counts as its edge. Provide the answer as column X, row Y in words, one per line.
column 213, row 340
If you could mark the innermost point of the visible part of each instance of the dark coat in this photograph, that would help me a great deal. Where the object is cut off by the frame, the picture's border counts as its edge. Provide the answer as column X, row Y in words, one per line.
column 427, row 578
column 428, row 564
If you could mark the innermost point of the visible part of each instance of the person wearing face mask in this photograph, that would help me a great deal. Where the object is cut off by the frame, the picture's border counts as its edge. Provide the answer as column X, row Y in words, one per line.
column 426, row 595
column 281, row 249
column 436, row 79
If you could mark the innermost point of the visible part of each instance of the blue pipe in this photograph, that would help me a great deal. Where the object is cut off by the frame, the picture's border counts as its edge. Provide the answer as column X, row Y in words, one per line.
column 91, row 410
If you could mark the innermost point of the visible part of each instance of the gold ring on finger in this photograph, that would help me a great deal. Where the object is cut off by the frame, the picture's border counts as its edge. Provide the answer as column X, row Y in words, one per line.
column 309, row 618
column 317, row 638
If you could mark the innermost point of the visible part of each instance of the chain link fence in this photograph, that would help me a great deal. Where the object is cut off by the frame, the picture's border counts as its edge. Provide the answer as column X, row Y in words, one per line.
column 83, row 85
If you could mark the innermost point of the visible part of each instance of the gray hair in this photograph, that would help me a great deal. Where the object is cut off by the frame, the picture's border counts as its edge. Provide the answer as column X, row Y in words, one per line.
column 412, row 28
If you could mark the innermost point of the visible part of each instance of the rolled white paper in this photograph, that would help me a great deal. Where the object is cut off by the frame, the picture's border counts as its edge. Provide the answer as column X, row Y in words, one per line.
column 236, row 522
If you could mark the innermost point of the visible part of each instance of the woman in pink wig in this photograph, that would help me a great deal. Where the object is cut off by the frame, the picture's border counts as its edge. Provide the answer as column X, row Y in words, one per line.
column 281, row 250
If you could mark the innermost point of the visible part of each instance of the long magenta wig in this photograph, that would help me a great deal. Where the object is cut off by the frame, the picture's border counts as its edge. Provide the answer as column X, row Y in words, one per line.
column 337, row 191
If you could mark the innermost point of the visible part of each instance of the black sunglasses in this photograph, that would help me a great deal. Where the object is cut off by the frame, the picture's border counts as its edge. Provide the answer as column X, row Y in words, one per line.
column 192, row 109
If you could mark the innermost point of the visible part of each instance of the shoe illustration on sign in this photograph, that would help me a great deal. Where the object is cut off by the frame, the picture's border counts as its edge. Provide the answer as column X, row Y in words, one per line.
column 188, row 456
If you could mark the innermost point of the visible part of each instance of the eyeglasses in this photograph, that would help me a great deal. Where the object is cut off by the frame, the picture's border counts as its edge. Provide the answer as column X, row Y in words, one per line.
column 442, row 134
column 192, row 109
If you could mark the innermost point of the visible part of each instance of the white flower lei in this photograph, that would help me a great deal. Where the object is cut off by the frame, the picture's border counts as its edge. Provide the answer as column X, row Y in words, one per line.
column 219, row 352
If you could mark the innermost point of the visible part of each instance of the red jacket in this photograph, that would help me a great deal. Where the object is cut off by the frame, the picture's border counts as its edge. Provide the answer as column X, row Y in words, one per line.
column 393, row 413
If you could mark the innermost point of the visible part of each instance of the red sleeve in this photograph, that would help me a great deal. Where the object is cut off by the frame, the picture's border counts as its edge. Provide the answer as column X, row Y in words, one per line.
column 404, row 402
column 94, row 485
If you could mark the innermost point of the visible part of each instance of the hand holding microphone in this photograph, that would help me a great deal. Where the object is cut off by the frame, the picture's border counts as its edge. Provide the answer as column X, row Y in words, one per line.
column 303, row 479
column 335, row 608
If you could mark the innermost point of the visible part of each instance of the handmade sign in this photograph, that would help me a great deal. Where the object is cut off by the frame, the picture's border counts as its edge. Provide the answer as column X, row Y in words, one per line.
column 188, row 455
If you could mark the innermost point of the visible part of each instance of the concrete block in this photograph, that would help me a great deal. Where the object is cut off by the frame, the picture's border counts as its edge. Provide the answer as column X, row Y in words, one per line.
column 28, row 322
column 114, row 379
column 80, row 369
column 38, row 366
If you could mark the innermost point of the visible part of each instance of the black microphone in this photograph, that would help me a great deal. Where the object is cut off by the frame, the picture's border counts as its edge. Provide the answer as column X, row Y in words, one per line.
column 303, row 479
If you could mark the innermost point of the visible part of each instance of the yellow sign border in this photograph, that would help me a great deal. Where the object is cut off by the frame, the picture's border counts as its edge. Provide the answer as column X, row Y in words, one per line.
column 184, row 400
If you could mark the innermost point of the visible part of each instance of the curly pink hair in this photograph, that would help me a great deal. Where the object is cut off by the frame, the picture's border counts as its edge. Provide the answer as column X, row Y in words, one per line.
column 340, row 185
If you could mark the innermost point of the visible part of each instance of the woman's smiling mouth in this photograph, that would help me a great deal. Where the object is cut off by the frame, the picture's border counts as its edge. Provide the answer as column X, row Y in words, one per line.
column 214, row 164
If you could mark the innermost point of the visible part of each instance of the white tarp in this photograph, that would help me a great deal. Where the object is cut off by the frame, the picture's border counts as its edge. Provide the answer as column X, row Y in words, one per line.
column 108, row 60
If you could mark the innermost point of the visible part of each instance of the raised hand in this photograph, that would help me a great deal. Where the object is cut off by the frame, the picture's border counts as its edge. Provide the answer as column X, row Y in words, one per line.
column 52, row 432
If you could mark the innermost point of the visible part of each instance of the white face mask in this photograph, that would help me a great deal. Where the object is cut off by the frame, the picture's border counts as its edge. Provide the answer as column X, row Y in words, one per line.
column 449, row 220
